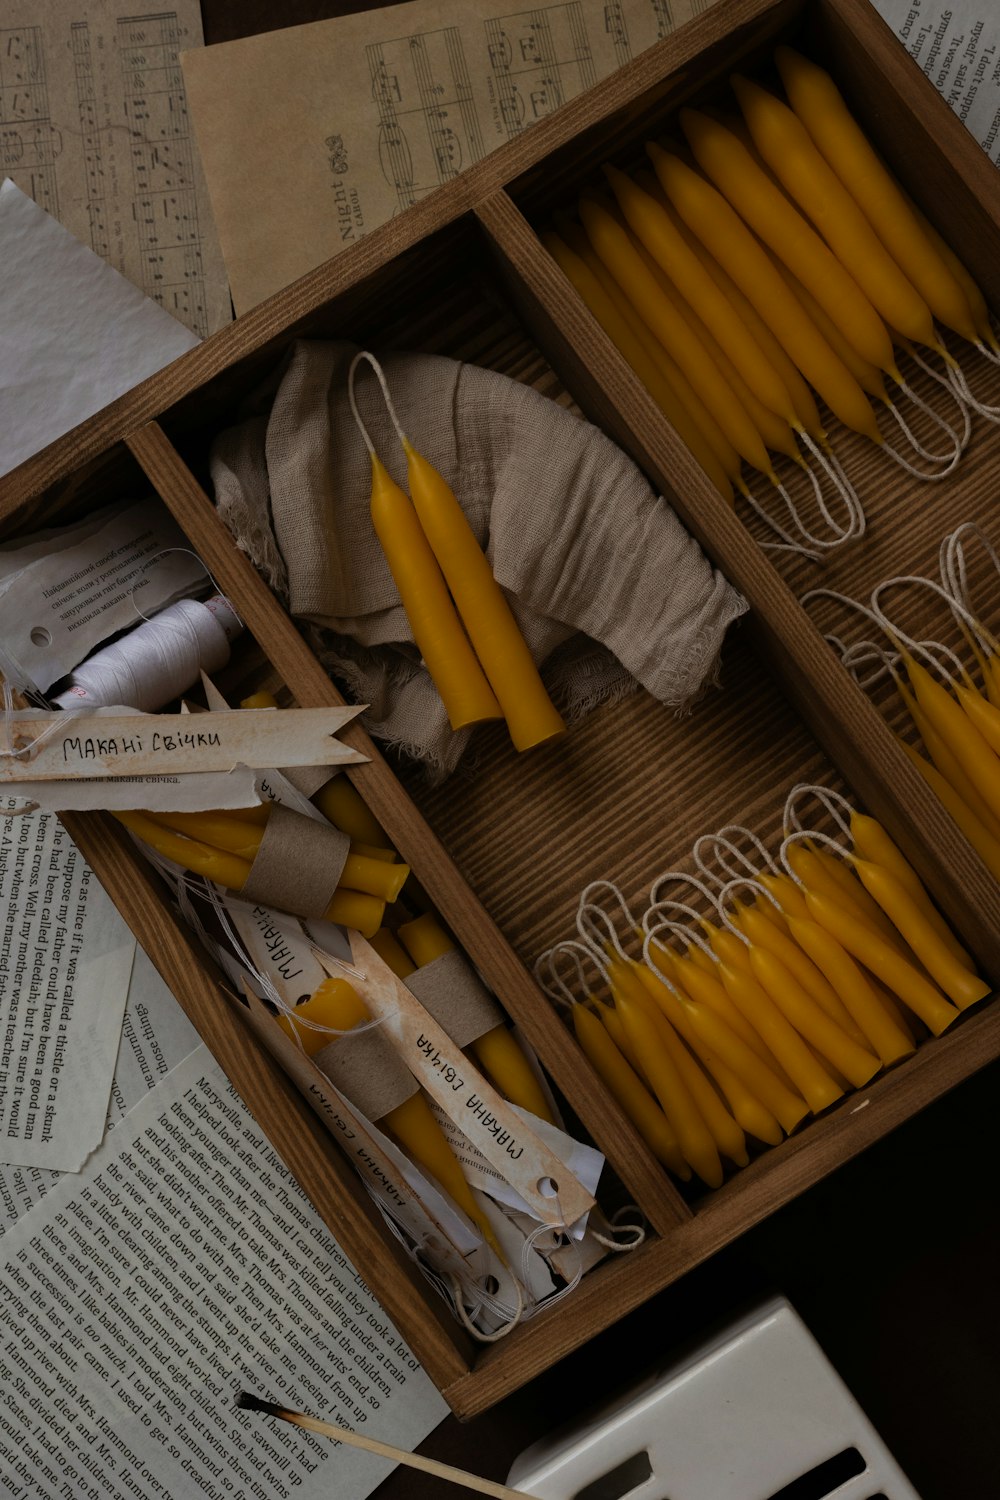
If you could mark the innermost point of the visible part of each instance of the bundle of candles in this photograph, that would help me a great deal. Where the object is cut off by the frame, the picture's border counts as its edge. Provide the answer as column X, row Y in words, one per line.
column 460, row 619
column 951, row 700
column 222, row 846
column 792, row 981
column 774, row 261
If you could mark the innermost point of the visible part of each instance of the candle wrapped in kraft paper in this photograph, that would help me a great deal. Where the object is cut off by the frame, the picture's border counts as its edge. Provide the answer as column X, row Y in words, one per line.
column 606, row 585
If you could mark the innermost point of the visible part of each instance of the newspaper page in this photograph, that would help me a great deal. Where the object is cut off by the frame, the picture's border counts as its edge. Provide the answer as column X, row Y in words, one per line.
column 182, row 1266
column 94, row 126
column 65, row 963
column 958, row 47
column 156, row 1036
column 349, row 121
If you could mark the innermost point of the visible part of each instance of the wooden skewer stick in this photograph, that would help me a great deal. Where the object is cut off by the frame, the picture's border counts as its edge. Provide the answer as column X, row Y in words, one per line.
column 382, row 1450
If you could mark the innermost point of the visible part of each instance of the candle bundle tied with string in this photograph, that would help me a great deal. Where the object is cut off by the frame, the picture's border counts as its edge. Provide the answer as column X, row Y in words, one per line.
column 769, row 261
column 407, row 1059
column 721, row 1021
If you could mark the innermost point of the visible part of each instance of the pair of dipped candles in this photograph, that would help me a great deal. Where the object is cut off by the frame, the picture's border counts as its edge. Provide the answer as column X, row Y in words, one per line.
column 782, row 263
column 221, row 846
column 336, row 1009
column 747, row 1032
column 461, row 622
column 413, row 946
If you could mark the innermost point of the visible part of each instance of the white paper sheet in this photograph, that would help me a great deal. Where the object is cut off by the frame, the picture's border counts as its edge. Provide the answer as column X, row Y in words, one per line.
column 65, row 964
column 958, row 47
column 184, row 1265
column 73, row 333
column 156, row 1036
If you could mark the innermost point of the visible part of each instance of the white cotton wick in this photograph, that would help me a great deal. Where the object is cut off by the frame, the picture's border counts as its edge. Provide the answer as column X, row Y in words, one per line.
column 159, row 660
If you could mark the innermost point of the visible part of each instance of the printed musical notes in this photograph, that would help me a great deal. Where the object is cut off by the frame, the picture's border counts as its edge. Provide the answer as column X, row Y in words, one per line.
column 94, row 126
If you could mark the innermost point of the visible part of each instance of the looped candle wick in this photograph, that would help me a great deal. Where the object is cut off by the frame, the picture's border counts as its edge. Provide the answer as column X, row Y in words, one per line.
column 363, row 355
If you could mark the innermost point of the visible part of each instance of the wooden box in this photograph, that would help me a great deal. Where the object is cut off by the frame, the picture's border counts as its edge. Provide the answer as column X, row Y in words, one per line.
column 504, row 854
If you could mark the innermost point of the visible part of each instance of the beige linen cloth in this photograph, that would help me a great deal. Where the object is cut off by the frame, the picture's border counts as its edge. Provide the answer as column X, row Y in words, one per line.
column 605, row 583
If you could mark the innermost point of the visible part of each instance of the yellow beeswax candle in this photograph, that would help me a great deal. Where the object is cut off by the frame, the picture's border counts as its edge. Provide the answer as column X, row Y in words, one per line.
column 721, row 230
column 486, row 615
column 820, row 106
column 628, row 1090
column 790, row 153
column 707, row 989
column 963, row 739
column 809, row 1077
column 349, row 908
column 813, row 1023
column 788, row 1108
column 758, row 923
column 947, row 763
column 497, row 1050
column 765, row 209
column 872, row 842
column 392, row 953
column 802, row 398
column 337, row 1005
column 725, row 1132
column 885, row 962
column 693, row 1135
column 338, row 800
column 648, row 368
column 437, row 629
column 825, row 873
column 747, row 1111
column 985, row 843
column 654, row 228
column 371, row 877
column 612, row 244
column 696, row 410
column 889, row 1041
column 957, row 981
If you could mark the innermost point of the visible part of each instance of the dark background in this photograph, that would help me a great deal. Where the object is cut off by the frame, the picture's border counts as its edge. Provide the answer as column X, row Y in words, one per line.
column 894, row 1262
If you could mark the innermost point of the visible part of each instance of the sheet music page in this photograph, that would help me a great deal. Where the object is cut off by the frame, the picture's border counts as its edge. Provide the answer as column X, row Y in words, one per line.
column 314, row 135
column 94, row 126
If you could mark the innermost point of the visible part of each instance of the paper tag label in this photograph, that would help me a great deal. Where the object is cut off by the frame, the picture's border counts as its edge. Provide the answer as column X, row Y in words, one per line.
column 212, row 791
column 272, row 786
column 583, row 1161
column 110, row 743
column 278, row 947
column 553, row 1195
column 67, row 590
column 357, row 1140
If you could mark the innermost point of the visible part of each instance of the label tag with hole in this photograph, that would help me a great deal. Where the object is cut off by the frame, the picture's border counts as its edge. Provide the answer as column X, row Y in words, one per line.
column 551, row 1193
column 66, row 590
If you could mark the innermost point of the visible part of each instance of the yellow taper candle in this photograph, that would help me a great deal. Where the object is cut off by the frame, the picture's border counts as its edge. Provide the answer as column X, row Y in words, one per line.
column 437, row 629
column 496, row 1051
column 337, row 1005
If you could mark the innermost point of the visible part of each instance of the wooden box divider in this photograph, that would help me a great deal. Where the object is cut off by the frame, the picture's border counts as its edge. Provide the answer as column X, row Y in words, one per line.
column 493, row 207
column 838, row 712
column 635, row 1165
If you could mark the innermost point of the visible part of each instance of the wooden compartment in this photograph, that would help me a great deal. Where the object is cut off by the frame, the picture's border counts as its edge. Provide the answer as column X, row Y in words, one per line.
column 464, row 274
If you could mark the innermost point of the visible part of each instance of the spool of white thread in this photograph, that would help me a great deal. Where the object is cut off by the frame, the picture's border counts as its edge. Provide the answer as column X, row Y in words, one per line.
column 159, row 660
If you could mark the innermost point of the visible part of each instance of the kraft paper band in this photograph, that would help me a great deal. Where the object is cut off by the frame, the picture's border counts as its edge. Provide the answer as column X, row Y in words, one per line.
column 451, row 991
column 307, row 779
column 368, row 1072
column 298, row 865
